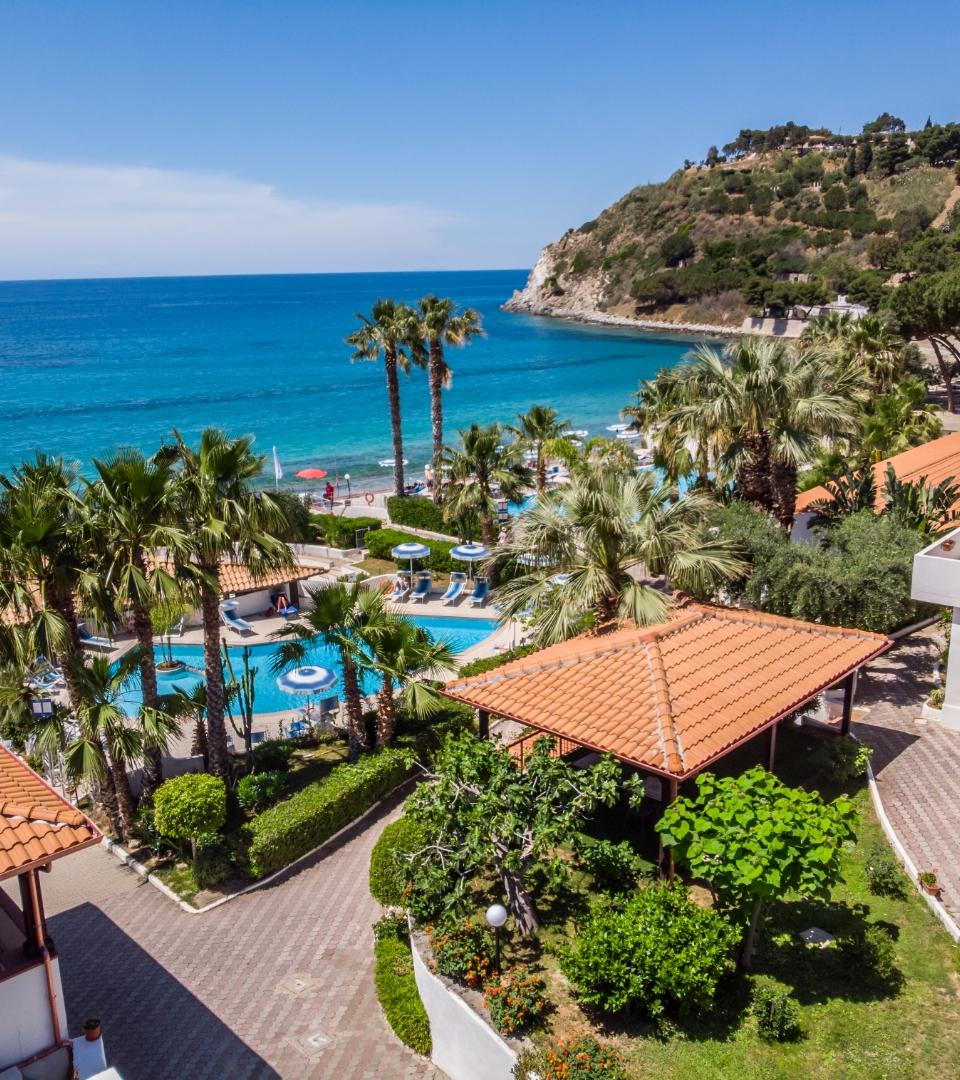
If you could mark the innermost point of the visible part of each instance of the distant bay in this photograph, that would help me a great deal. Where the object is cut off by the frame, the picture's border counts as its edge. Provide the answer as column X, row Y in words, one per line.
column 87, row 366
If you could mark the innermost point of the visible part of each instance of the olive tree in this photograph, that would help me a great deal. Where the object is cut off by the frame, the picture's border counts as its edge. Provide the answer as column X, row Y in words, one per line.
column 754, row 839
column 190, row 806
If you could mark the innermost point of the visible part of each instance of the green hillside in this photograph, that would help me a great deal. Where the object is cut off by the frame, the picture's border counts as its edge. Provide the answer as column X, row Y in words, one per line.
column 780, row 217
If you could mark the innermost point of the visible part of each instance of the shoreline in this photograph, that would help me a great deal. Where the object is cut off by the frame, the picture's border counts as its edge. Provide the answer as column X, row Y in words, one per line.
column 592, row 317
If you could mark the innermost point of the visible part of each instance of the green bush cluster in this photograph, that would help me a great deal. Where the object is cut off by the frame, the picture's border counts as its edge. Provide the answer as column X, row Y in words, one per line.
column 389, row 869
column 516, row 1000
column 657, row 950
column 776, row 1013
column 872, row 954
column 488, row 663
column 884, row 876
column 302, row 822
column 397, row 990
column 274, row 755
column 261, row 790
column 573, row 1059
column 614, row 867
column 417, row 512
column 341, row 532
column 461, row 950
column 211, row 863
column 187, row 807
column 848, row 758
column 383, row 541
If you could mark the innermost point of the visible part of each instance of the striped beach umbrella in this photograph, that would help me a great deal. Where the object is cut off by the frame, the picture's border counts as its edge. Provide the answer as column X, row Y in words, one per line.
column 410, row 551
column 469, row 553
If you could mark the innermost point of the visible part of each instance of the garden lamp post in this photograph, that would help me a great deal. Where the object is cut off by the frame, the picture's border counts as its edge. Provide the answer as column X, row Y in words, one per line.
column 346, row 477
column 496, row 917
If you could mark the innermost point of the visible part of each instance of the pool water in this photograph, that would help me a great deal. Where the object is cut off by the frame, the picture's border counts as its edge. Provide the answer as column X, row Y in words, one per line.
column 461, row 634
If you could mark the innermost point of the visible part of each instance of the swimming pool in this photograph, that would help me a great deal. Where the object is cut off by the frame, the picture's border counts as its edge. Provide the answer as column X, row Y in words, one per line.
column 461, row 634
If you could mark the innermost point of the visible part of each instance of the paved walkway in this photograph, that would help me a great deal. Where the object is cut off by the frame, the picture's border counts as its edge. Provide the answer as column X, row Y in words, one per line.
column 916, row 762
column 278, row 983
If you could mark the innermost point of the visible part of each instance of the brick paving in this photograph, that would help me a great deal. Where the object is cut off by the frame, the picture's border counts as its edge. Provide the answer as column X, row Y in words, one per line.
column 916, row 762
column 278, row 983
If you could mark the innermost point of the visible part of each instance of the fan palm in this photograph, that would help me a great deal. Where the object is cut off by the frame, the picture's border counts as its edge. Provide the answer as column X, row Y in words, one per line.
column 130, row 510
column 223, row 520
column 476, row 473
column 441, row 324
column 393, row 331
column 404, row 654
column 540, row 432
column 612, row 535
column 343, row 617
column 869, row 342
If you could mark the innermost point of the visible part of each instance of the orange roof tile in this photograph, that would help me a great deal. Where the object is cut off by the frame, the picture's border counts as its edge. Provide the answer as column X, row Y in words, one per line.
column 674, row 697
column 937, row 460
column 236, row 577
column 36, row 824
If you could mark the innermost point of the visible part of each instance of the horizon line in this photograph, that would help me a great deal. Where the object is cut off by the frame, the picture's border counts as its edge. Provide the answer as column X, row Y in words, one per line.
column 273, row 273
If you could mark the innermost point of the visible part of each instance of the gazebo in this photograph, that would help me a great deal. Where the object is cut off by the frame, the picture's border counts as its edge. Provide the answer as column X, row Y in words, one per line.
column 671, row 700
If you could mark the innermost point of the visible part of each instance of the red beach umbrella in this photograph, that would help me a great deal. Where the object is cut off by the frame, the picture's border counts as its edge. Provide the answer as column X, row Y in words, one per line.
column 312, row 474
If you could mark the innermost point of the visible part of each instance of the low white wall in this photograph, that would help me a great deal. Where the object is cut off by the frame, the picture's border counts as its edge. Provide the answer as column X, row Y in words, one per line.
column 465, row 1047
column 25, row 1024
column 319, row 551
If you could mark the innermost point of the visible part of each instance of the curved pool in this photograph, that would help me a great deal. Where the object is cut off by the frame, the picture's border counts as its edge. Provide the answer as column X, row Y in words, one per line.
column 461, row 634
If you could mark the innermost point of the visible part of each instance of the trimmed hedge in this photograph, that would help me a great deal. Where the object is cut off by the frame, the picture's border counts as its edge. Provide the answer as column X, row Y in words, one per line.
column 290, row 829
column 488, row 663
column 418, row 513
column 383, row 541
column 341, row 532
column 389, row 871
column 397, row 991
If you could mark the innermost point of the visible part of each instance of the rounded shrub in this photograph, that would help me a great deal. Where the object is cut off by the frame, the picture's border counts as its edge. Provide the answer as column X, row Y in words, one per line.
column 461, row 950
column 261, row 790
column 776, row 1013
column 389, row 870
column 884, row 876
column 274, row 755
column 190, row 806
column 211, row 861
column 516, row 1000
column 614, row 867
column 658, row 950
column 581, row 1059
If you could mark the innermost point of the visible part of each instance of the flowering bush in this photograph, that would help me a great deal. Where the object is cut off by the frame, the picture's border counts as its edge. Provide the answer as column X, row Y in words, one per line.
column 583, row 1059
column 461, row 950
column 516, row 1000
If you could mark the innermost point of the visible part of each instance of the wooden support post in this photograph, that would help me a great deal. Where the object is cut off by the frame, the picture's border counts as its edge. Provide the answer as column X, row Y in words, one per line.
column 773, row 747
column 849, row 692
column 665, row 859
column 483, row 723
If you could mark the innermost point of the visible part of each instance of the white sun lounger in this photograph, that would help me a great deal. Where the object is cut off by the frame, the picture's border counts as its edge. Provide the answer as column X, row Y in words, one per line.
column 234, row 622
column 480, row 593
column 455, row 589
column 400, row 591
column 91, row 641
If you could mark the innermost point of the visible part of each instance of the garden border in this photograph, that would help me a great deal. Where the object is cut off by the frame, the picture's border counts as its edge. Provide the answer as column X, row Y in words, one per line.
column 124, row 856
column 901, row 852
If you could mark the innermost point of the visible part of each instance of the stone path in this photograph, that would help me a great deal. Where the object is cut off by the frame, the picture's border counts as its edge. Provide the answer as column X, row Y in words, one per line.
column 916, row 762
column 278, row 983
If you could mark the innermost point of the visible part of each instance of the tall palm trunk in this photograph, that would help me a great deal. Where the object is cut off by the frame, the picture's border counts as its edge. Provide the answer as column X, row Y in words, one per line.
column 396, row 423
column 105, row 796
column 945, row 375
column 213, row 675
column 753, row 475
column 199, row 747
column 435, row 375
column 386, row 713
column 124, row 795
column 63, row 605
column 143, row 629
column 541, row 471
column 356, row 728
column 783, row 480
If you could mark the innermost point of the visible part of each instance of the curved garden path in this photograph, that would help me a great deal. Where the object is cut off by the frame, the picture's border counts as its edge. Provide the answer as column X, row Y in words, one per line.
column 278, row 983
column 916, row 762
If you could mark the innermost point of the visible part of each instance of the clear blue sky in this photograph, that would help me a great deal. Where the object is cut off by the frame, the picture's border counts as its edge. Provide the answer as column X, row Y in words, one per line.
column 211, row 136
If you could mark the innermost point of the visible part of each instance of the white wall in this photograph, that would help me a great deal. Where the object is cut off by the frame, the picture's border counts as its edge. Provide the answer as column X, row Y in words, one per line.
column 25, row 1024
column 465, row 1047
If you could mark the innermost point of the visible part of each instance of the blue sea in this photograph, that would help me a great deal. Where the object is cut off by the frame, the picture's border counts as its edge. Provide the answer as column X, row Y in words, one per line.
column 87, row 366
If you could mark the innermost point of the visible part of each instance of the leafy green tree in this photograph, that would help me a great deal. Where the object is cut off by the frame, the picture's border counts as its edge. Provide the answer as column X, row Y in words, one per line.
column 223, row 520
column 612, row 533
column 929, row 307
column 240, row 694
column 678, row 247
column 392, row 331
column 440, row 325
column 476, row 472
column 885, row 123
column 482, row 814
column 754, row 840
column 542, row 433
column 190, row 806
column 898, row 420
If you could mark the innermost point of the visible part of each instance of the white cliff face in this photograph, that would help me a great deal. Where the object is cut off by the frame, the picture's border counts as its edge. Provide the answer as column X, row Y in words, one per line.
column 566, row 293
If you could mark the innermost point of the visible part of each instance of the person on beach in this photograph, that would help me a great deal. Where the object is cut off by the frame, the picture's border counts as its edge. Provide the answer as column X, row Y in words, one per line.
column 328, row 494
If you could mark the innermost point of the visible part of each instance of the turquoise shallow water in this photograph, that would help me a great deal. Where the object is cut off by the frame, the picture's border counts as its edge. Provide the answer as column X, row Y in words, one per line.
column 86, row 366
column 459, row 633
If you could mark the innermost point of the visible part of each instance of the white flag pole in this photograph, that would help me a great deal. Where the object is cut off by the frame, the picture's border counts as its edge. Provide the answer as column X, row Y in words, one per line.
column 277, row 471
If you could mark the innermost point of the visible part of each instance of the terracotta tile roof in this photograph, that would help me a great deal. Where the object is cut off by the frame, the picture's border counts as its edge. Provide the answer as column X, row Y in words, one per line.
column 36, row 824
column 937, row 460
column 236, row 577
column 672, row 698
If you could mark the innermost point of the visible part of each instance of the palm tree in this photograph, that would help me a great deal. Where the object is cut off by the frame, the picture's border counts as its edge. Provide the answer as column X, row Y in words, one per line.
column 222, row 520
column 405, row 654
column 612, row 535
column 477, row 472
column 342, row 617
column 192, row 704
column 540, row 432
column 759, row 410
column 869, row 342
column 130, row 509
column 392, row 330
column 440, row 325
column 43, row 563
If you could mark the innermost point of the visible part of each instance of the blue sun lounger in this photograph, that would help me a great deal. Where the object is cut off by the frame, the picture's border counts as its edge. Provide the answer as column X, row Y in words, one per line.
column 455, row 589
column 234, row 622
column 480, row 593
column 422, row 588
column 91, row 641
